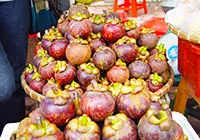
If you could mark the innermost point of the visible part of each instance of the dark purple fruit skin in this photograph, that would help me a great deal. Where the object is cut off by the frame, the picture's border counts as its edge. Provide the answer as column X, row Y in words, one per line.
column 96, row 43
column 57, row 49
column 46, row 44
column 66, row 76
column 150, row 40
column 157, row 66
column 139, row 69
column 112, row 32
column 134, row 33
column 128, row 132
column 75, row 135
column 104, row 59
column 126, row 52
column 36, row 61
column 97, row 105
column 85, row 78
column 47, row 71
column 57, row 114
column 153, row 88
column 68, row 36
column 134, row 105
column 96, row 28
column 147, row 130
column 80, row 28
column 28, row 77
column 37, row 85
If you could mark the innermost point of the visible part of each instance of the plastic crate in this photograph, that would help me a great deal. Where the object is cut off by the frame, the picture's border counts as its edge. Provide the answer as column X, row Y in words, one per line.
column 189, row 63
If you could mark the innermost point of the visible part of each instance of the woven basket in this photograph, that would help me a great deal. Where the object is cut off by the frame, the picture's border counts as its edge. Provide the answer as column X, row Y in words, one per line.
column 154, row 95
column 35, row 95
column 189, row 37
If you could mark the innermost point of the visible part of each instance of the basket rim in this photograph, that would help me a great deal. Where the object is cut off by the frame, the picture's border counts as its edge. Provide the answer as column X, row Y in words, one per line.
column 181, row 34
column 154, row 95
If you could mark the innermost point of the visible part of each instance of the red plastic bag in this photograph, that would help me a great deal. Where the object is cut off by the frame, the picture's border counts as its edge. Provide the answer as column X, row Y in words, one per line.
column 157, row 24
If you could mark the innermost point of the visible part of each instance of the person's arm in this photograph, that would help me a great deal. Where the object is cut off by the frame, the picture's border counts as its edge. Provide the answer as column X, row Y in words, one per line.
column 7, row 80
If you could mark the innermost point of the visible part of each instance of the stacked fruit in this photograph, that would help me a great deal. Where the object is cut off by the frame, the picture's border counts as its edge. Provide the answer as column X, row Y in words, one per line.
column 93, row 66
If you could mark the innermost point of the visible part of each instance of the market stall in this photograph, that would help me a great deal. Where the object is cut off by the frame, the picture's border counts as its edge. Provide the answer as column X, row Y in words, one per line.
column 96, row 77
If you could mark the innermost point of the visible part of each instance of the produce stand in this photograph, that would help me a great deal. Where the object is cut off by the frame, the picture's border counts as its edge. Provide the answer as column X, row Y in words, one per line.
column 96, row 77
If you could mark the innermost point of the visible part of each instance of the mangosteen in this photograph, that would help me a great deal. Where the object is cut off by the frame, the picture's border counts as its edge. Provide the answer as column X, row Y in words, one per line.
column 87, row 72
column 80, row 25
column 126, row 49
column 134, row 98
column 29, row 71
column 78, row 8
column 64, row 72
column 97, row 23
column 37, row 82
column 118, row 73
column 119, row 127
column 36, row 59
column 160, row 48
column 131, row 29
column 48, row 38
column 112, row 30
column 57, row 48
column 82, row 128
column 148, row 38
column 158, row 63
column 104, row 58
column 97, row 102
column 75, row 92
column 50, row 85
column 78, row 51
column 57, row 107
column 96, row 41
column 154, row 82
column 63, row 23
column 46, row 68
column 139, row 69
column 143, row 54
column 156, row 125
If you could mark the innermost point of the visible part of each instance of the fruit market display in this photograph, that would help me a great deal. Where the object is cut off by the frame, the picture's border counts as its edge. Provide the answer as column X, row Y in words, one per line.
column 98, row 76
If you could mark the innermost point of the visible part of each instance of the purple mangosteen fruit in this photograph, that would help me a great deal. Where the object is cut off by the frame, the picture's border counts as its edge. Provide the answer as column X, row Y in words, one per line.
column 104, row 58
column 126, row 49
column 119, row 127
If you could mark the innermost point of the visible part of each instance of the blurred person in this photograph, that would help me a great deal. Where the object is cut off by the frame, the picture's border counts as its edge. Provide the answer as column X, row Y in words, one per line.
column 14, row 29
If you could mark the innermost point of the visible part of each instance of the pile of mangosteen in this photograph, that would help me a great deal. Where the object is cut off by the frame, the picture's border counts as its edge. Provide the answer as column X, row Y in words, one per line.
column 96, row 74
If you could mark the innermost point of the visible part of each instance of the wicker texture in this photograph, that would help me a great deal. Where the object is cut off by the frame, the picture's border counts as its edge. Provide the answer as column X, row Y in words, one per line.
column 189, row 37
column 161, row 92
column 154, row 95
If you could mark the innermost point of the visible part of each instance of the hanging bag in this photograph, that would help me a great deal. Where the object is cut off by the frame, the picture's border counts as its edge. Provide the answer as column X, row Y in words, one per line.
column 42, row 17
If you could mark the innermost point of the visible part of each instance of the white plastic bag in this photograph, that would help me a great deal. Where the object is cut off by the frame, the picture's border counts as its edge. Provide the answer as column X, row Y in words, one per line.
column 177, row 15
column 195, row 3
column 171, row 44
column 191, row 24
